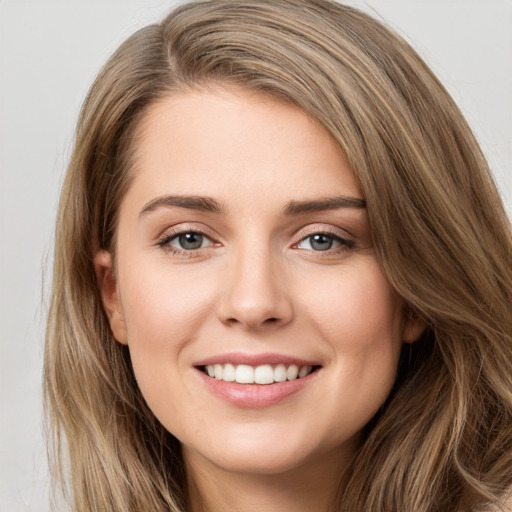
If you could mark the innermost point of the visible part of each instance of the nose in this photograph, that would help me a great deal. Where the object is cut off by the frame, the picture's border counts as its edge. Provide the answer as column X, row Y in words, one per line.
column 256, row 294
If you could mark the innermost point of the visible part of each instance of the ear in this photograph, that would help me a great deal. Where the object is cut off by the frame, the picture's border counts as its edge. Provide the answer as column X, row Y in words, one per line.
column 103, row 265
column 413, row 327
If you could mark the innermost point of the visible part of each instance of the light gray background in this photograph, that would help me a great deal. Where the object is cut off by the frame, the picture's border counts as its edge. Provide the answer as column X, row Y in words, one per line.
column 50, row 52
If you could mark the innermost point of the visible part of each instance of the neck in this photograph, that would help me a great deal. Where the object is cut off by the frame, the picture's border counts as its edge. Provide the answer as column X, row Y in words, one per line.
column 306, row 489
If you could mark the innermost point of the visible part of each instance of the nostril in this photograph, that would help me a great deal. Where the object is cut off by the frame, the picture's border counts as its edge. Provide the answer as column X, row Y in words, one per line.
column 272, row 320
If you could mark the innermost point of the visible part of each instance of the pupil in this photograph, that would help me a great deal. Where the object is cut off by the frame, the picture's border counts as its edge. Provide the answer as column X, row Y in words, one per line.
column 191, row 240
column 321, row 242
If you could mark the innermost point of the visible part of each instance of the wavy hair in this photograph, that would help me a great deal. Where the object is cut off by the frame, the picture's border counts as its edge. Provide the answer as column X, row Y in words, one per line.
column 443, row 440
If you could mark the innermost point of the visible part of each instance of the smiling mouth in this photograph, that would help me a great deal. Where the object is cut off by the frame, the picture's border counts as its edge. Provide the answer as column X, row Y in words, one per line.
column 262, row 374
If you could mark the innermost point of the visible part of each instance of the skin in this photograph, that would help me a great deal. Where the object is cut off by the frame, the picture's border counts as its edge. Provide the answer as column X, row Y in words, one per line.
column 256, row 285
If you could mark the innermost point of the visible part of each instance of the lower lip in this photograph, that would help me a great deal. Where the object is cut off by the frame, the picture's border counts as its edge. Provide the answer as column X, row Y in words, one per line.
column 255, row 395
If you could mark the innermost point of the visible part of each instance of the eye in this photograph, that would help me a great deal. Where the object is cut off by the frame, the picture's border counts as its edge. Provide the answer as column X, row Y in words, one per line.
column 323, row 242
column 189, row 241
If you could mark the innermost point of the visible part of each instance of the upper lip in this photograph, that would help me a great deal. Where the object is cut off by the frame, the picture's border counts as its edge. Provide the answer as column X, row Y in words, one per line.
column 255, row 359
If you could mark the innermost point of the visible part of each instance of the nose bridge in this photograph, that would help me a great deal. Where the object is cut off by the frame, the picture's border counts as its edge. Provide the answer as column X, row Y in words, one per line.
column 256, row 292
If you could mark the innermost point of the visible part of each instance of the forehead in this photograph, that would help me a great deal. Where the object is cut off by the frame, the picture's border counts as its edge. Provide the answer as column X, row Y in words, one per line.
column 233, row 142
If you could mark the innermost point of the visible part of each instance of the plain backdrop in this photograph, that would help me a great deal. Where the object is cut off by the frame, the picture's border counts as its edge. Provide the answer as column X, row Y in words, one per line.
column 50, row 52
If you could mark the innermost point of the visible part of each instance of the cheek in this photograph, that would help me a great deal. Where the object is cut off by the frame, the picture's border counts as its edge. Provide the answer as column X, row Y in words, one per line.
column 162, row 311
column 163, row 306
column 360, row 320
column 356, row 308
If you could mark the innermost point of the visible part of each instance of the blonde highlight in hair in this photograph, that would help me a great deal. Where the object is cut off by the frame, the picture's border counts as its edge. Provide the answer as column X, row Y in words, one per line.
column 443, row 440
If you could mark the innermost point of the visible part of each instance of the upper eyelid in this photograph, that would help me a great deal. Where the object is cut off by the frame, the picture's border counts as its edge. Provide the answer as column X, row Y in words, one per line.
column 181, row 228
column 338, row 232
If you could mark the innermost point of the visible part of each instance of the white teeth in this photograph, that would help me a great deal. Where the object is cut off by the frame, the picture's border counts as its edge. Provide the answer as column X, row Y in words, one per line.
column 244, row 374
column 304, row 371
column 292, row 372
column 280, row 373
column 229, row 373
column 263, row 374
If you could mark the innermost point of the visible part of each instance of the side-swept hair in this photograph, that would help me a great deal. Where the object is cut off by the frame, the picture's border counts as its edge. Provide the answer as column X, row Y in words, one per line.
column 443, row 440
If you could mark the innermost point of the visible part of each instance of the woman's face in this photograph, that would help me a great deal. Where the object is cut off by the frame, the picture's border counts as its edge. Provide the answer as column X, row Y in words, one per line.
column 244, row 253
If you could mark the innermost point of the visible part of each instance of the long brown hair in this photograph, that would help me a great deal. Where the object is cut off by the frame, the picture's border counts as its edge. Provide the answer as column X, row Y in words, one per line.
column 443, row 440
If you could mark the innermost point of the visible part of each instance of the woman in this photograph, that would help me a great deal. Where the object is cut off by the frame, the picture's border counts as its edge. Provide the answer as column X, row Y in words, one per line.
column 282, row 275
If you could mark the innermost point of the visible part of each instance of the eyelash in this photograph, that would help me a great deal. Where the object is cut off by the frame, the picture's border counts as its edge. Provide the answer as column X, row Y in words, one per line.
column 164, row 242
column 167, row 238
column 345, row 243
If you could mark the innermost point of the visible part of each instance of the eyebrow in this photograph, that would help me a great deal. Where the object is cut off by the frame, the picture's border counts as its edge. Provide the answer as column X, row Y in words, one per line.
column 318, row 205
column 200, row 203
column 210, row 205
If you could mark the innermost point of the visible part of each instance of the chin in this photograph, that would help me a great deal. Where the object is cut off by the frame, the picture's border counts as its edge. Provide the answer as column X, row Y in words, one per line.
column 266, row 452
column 255, row 462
